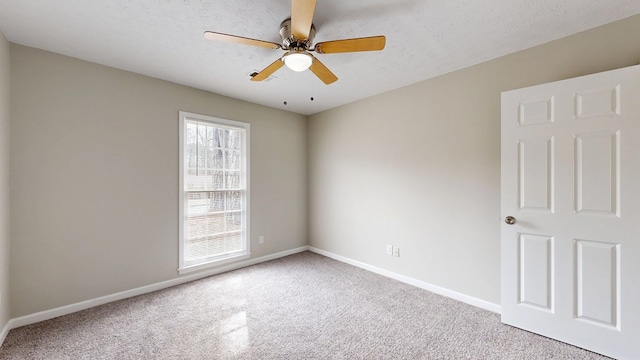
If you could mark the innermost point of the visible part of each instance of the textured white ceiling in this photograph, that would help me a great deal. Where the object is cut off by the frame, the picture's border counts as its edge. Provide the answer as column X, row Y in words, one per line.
column 425, row 38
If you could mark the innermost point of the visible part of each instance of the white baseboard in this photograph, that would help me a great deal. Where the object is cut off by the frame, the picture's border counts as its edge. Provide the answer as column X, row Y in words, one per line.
column 411, row 281
column 68, row 309
column 4, row 332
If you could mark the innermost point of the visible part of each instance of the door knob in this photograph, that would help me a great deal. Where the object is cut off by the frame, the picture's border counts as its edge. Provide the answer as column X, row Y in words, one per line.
column 510, row 220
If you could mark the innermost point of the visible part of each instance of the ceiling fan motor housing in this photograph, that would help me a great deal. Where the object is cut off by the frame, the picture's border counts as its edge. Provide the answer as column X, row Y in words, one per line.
column 290, row 42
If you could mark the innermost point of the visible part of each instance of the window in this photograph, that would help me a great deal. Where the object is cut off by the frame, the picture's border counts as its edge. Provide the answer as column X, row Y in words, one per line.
column 214, row 191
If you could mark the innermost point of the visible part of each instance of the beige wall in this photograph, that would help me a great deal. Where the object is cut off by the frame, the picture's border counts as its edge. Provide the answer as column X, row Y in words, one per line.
column 4, row 181
column 419, row 167
column 94, row 178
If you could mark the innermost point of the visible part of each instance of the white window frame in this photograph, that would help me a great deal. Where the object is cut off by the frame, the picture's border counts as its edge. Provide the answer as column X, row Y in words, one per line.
column 183, row 265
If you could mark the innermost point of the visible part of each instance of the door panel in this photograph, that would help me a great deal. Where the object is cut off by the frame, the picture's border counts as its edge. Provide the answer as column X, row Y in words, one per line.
column 597, row 180
column 536, row 271
column 535, row 172
column 571, row 177
column 597, row 274
column 597, row 103
column 536, row 112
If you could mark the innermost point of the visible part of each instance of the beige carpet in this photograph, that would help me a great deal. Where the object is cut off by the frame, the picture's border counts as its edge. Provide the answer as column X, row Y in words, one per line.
column 304, row 306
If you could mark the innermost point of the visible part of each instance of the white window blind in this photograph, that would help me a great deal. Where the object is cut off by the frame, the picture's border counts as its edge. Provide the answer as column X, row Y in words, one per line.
column 214, row 177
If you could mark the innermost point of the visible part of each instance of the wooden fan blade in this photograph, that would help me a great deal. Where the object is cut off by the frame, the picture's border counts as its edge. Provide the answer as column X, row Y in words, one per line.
column 302, row 18
column 351, row 45
column 268, row 70
column 210, row 35
column 322, row 72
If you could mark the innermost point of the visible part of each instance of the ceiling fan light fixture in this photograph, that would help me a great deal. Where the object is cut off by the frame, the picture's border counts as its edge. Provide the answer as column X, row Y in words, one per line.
column 297, row 60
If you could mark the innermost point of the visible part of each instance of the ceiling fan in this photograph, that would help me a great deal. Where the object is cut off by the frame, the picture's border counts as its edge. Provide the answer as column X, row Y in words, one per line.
column 297, row 35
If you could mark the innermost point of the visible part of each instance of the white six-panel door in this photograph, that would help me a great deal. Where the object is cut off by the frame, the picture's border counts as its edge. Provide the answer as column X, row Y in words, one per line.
column 571, row 181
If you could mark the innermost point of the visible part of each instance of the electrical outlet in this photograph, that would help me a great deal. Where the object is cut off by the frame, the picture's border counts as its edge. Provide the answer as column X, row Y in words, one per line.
column 389, row 249
column 261, row 239
column 396, row 251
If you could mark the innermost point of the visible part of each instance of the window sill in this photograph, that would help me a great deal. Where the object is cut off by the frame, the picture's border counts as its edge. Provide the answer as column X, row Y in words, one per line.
column 213, row 264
